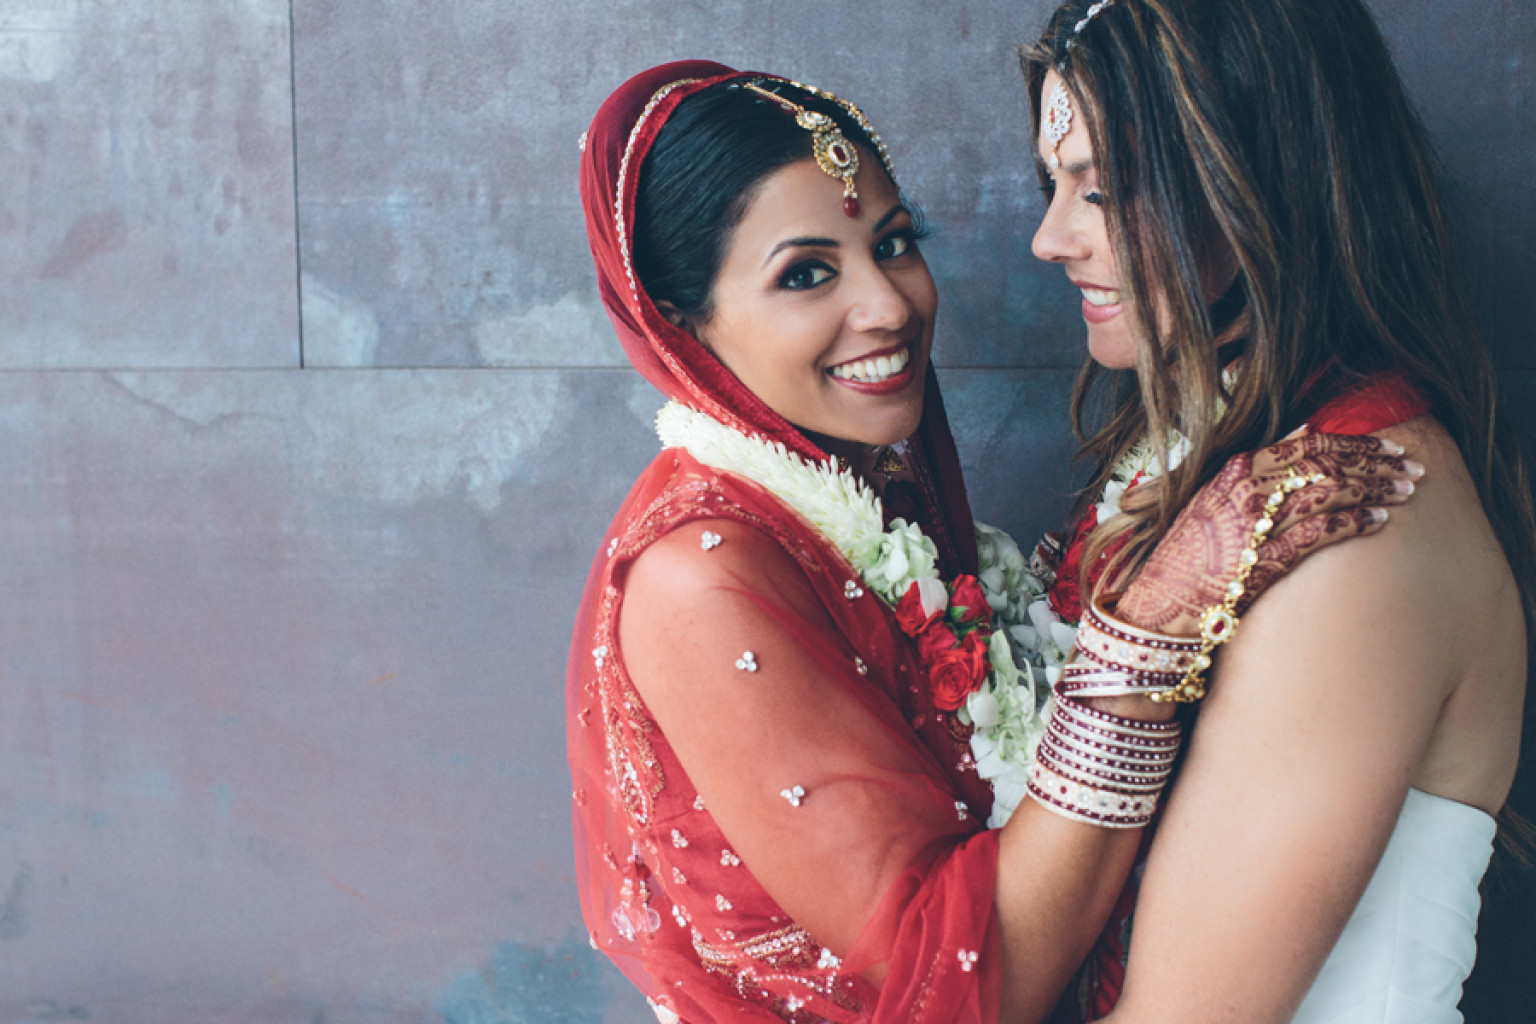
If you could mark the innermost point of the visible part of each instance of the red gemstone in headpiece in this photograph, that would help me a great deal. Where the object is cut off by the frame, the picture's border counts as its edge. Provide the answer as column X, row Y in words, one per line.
column 851, row 206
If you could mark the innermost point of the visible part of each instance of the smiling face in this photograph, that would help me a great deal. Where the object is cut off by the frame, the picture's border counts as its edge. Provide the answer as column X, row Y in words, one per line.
column 1075, row 234
column 827, row 318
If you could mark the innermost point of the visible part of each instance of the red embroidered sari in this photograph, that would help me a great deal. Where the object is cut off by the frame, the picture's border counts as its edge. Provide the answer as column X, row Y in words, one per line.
column 684, row 881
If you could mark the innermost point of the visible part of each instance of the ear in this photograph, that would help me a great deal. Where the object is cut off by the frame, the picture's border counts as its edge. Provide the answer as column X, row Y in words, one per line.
column 676, row 317
column 683, row 322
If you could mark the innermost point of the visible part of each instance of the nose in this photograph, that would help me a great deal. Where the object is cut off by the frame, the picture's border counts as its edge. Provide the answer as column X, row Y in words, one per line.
column 1057, row 239
column 878, row 304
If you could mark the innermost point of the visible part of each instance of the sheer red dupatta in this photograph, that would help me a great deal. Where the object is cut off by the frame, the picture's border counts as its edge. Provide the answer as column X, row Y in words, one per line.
column 698, row 906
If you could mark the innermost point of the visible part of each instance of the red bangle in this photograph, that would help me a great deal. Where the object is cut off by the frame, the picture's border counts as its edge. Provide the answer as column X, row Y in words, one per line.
column 1099, row 768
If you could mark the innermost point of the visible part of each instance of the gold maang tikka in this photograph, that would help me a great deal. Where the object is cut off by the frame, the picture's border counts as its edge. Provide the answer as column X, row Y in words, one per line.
column 834, row 153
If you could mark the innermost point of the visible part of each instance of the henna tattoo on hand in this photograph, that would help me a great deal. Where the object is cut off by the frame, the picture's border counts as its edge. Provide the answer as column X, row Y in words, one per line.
column 1198, row 557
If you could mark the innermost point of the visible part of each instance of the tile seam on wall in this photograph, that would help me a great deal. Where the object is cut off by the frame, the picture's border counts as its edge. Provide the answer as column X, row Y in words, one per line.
column 293, row 125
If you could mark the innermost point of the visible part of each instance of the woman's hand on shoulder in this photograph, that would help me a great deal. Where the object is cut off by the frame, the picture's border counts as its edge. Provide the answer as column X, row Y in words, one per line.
column 1348, row 482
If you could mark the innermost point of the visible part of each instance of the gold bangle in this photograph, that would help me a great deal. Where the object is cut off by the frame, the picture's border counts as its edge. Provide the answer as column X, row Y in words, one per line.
column 1220, row 620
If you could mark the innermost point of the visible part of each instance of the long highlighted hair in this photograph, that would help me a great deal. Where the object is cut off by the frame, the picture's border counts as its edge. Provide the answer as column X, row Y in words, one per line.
column 1275, row 133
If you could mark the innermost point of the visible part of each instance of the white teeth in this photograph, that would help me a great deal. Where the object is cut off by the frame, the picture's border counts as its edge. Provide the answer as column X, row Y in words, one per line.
column 1100, row 296
column 872, row 371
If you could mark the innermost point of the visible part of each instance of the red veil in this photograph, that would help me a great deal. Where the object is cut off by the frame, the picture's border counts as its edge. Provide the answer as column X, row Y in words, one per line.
column 696, row 886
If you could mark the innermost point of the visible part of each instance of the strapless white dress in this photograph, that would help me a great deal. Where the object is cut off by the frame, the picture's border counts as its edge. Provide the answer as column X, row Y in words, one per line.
column 1412, row 940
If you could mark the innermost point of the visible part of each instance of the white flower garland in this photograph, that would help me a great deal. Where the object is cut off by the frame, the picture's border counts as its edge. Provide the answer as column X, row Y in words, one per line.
column 827, row 495
column 1007, row 712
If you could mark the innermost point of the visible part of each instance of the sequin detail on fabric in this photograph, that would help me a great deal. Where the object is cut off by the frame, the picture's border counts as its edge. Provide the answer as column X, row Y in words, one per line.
column 627, row 726
column 786, row 955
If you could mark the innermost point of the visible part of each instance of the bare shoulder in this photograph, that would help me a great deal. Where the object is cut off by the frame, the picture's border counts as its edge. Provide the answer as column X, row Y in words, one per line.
column 1442, row 537
column 1381, row 663
column 1429, row 581
column 1418, row 629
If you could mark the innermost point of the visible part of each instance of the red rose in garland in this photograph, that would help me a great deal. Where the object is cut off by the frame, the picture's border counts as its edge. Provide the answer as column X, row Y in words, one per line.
column 957, row 672
column 935, row 642
column 967, row 604
column 1066, row 596
column 920, row 606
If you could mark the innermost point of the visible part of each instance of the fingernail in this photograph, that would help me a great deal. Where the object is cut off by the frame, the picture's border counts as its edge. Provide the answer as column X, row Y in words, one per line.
column 1392, row 447
column 1412, row 468
column 1378, row 515
column 1403, row 486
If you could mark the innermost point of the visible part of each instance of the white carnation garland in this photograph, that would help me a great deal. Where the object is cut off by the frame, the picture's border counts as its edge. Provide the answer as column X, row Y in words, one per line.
column 1008, row 711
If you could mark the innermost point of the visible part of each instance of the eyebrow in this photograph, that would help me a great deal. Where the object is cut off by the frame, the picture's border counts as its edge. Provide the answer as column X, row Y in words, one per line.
column 794, row 243
column 889, row 216
column 831, row 243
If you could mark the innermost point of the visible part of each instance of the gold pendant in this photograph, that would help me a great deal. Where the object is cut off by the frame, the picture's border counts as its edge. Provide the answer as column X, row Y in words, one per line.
column 888, row 463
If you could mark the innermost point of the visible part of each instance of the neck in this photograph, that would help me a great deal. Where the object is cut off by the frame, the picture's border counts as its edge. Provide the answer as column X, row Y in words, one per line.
column 854, row 454
column 874, row 464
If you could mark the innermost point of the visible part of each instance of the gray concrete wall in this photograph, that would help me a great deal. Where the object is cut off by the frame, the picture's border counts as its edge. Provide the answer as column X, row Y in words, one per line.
column 309, row 420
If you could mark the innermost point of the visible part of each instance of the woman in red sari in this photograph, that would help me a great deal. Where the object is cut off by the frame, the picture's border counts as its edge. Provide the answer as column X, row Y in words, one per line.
column 1242, row 192
column 777, row 814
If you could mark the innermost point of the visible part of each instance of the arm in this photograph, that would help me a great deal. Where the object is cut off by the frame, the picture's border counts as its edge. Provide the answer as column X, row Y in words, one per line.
column 873, row 807
column 1317, row 724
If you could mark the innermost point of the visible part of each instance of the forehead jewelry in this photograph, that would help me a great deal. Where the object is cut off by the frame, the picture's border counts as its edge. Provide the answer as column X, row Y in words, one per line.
column 1058, row 116
column 1092, row 12
column 1058, row 121
column 834, row 153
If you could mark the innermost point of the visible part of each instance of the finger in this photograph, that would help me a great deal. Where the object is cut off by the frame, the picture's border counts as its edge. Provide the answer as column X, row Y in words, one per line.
column 1278, row 457
column 1341, row 494
column 1359, row 465
column 1284, row 551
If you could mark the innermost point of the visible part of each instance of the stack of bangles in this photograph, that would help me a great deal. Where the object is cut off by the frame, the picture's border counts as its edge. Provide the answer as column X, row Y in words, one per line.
column 1100, row 768
column 1106, row 770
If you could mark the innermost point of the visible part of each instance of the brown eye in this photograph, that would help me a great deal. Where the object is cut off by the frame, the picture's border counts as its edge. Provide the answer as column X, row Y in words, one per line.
column 805, row 276
column 892, row 246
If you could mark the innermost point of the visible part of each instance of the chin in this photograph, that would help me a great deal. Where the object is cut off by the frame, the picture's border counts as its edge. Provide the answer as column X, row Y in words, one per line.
column 885, row 428
column 1113, row 349
column 891, row 436
column 897, row 424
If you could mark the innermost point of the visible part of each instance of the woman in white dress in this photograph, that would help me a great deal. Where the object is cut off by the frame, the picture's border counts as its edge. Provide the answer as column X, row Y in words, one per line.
column 1249, row 204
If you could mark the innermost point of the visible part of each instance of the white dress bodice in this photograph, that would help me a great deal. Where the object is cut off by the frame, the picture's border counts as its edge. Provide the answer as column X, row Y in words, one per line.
column 1411, row 941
